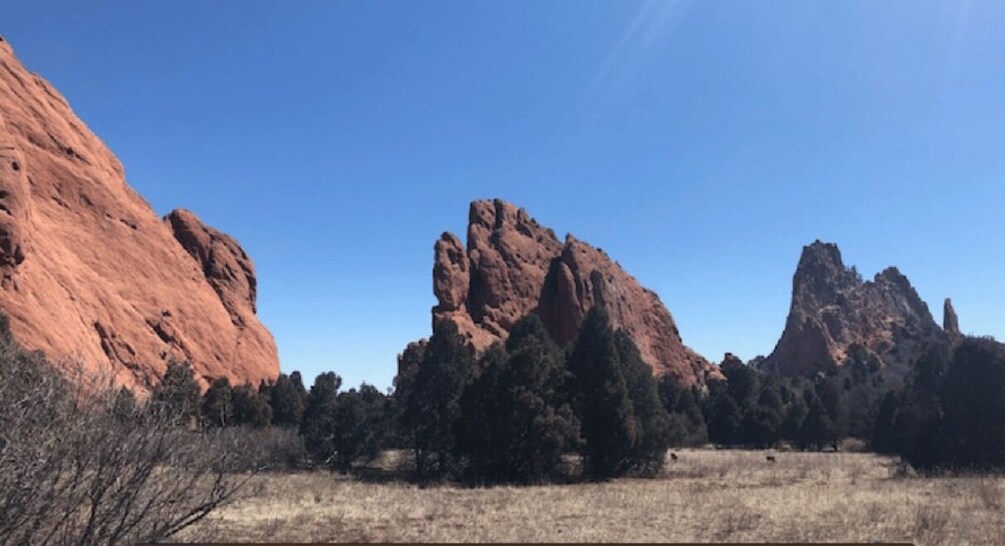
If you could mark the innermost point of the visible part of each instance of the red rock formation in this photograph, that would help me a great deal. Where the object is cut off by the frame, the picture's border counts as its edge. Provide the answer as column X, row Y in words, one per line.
column 513, row 266
column 91, row 274
column 834, row 315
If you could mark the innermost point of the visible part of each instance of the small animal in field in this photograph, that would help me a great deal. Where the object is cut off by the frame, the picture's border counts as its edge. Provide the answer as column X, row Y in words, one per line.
column 770, row 459
column 673, row 457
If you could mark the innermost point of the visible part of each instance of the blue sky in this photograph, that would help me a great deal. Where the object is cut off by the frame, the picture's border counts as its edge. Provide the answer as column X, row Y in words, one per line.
column 701, row 144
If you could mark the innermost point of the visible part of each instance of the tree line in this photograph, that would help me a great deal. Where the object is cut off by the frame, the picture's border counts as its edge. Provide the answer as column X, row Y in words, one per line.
column 528, row 411
column 512, row 415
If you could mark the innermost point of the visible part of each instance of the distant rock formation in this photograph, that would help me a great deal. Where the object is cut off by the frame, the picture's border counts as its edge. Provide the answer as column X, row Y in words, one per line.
column 731, row 362
column 91, row 276
column 834, row 315
column 950, row 322
column 513, row 266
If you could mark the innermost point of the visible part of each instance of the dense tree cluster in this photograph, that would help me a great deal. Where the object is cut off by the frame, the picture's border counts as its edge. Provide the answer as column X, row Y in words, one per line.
column 518, row 411
column 514, row 413
column 951, row 413
column 759, row 410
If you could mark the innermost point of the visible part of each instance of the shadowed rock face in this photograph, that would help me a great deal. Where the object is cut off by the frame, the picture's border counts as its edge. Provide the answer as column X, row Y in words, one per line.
column 513, row 266
column 89, row 271
column 835, row 314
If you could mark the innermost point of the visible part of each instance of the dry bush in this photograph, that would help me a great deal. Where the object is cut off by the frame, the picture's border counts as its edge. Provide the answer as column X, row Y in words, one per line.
column 78, row 467
column 269, row 449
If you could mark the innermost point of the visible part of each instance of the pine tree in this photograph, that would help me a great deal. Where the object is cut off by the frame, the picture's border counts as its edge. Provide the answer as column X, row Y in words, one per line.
column 431, row 401
column 817, row 429
column 724, row 427
column 318, row 423
column 250, row 408
column 973, row 399
column 178, row 394
column 356, row 427
column 610, row 429
column 287, row 398
column 653, row 421
column 516, row 418
column 792, row 423
column 218, row 404
column 885, row 436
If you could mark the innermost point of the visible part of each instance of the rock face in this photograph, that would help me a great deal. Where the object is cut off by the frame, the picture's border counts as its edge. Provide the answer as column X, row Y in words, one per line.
column 88, row 272
column 835, row 315
column 950, row 322
column 513, row 266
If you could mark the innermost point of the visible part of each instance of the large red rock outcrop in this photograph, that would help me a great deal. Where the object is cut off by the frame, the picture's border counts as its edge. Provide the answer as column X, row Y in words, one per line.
column 91, row 276
column 512, row 266
column 835, row 315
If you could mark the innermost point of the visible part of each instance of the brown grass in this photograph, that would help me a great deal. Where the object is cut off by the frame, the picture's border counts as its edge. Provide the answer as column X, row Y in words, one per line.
column 706, row 496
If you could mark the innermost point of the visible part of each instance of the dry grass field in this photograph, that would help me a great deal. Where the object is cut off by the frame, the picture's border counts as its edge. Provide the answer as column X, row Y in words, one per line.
column 705, row 496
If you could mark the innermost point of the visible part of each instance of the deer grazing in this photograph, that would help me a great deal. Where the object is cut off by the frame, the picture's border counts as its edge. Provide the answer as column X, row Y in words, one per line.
column 770, row 458
column 673, row 457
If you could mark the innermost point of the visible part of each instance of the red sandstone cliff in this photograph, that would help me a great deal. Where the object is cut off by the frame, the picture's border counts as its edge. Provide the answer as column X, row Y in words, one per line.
column 89, row 273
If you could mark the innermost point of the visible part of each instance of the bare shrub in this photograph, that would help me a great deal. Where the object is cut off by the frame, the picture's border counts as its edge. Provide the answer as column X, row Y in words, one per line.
column 270, row 449
column 79, row 467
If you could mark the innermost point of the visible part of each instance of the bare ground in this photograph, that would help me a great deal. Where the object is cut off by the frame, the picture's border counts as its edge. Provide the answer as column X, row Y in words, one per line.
column 705, row 496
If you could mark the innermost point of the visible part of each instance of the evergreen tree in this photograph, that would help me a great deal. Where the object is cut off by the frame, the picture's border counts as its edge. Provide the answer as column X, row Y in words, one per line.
column 318, row 424
column 178, row 394
column 831, row 397
column 431, row 401
column 792, row 423
column 357, row 427
column 287, row 398
column 218, row 404
column 885, row 438
column 743, row 384
column 920, row 418
column 817, row 429
column 610, row 429
column 648, row 455
column 687, row 421
column 725, row 426
column 771, row 399
column 761, row 427
column 250, row 408
column 973, row 400
column 516, row 417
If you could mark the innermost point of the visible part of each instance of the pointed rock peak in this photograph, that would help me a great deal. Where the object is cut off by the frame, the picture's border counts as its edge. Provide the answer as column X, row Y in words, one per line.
column 893, row 275
column 730, row 362
column 821, row 261
column 822, row 253
column 512, row 266
column 950, row 322
column 833, row 309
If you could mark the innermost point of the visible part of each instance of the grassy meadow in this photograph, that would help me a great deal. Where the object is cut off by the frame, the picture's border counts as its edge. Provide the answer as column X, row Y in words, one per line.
column 704, row 496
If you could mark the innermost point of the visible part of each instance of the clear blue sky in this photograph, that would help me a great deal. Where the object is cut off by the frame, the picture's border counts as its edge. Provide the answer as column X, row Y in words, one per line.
column 701, row 144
